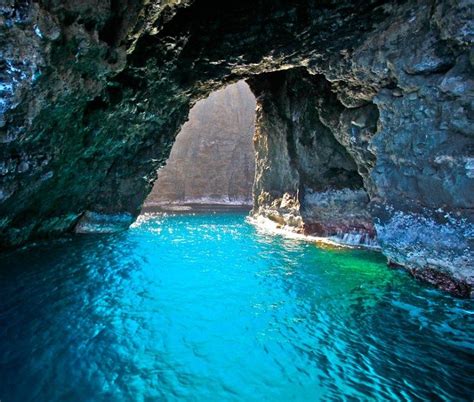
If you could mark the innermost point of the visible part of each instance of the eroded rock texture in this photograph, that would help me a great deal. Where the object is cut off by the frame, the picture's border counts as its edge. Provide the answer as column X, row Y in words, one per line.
column 212, row 160
column 94, row 92
column 312, row 158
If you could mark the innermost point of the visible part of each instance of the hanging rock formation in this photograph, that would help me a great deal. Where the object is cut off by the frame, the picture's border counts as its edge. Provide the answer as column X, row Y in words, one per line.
column 212, row 160
column 94, row 92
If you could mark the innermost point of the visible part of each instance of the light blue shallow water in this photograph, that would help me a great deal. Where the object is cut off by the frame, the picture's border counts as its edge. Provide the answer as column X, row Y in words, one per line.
column 203, row 308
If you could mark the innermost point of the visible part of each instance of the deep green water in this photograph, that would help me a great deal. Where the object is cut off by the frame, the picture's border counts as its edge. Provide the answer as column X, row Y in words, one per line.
column 204, row 308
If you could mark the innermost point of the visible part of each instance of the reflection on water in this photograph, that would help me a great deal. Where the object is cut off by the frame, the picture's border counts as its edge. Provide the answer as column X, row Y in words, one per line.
column 204, row 308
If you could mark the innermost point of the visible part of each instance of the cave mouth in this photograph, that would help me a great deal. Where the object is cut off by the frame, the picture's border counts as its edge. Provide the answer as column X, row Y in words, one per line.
column 281, row 145
column 211, row 166
column 313, row 159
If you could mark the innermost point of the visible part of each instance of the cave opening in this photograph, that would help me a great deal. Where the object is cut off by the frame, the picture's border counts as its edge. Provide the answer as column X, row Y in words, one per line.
column 211, row 165
column 282, row 145
column 363, row 136
column 313, row 160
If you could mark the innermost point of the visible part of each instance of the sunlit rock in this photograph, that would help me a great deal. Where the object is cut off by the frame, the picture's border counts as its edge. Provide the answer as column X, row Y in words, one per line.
column 212, row 160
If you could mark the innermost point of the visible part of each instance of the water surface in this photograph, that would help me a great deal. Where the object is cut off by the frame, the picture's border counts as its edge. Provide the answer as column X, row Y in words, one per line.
column 205, row 308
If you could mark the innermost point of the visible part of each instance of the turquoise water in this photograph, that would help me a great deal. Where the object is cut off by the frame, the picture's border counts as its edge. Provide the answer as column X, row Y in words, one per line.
column 204, row 308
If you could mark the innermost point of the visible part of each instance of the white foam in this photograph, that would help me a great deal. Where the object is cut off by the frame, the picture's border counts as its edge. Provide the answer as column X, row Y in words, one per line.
column 348, row 240
column 356, row 239
column 203, row 201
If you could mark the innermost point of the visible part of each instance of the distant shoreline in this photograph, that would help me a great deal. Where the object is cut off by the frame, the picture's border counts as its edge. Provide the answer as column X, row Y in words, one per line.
column 191, row 208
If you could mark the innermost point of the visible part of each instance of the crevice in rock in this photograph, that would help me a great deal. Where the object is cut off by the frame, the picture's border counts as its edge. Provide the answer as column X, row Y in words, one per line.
column 95, row 105
column 111, row 30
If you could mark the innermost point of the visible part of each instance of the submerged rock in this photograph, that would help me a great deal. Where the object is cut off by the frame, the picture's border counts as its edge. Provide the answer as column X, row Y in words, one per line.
column 94, row 222
column 371, row 99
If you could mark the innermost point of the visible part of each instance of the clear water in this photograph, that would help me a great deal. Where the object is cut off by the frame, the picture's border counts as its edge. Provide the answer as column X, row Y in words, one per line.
column 204, row 308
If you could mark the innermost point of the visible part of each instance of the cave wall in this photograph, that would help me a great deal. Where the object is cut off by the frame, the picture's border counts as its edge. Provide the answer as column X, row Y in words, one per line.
column 306, row 178
column 320, row 171
column 93, row 94
column 212, row 159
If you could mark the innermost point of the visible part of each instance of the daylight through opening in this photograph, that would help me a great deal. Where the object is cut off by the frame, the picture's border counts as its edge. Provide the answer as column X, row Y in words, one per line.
column 212, row 163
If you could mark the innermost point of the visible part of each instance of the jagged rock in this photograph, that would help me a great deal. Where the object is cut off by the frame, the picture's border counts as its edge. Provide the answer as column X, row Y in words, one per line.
column 212, row 160
column 93, row 93
column 313, row 151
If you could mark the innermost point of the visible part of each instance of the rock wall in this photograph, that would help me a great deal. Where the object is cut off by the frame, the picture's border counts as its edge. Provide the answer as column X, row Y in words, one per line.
column 212, row 160
column 307, row 176
column 93, row 94
column 320, row 169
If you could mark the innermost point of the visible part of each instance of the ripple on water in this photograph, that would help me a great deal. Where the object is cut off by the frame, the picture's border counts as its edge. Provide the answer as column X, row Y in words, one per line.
column 206, row 308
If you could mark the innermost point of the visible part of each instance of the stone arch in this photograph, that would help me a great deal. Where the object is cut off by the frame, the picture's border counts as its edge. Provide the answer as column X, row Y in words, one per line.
column 313, row 162
column 93, row 96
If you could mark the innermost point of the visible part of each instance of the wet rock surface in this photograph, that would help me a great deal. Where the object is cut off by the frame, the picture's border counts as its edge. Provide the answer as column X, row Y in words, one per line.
column 212, row 160
column 92, row 95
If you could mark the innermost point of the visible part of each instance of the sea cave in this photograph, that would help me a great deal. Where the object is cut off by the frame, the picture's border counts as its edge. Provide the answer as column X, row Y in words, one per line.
column 204, row 200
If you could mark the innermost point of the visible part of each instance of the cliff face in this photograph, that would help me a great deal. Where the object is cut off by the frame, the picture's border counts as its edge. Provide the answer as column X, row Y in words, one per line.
column 93, row 94
column 212, row 160
column 326, row 169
